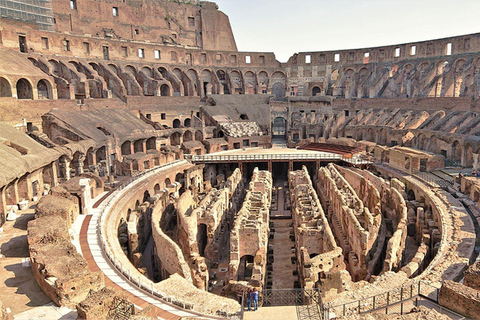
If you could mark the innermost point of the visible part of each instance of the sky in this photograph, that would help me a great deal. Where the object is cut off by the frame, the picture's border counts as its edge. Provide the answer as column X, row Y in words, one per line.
column 286, row 27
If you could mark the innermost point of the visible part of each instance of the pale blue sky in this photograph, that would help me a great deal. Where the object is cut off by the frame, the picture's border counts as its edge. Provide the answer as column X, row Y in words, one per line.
column 289, row 26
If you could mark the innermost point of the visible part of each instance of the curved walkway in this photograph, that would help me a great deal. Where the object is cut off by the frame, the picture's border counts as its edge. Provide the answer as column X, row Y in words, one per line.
column 91, row 250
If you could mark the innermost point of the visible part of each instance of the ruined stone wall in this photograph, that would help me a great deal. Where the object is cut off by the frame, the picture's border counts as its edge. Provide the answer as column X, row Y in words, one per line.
column 370, row 197
column 321, row 262
column 167, row 251
column 472, row 276
column 58, row 268
column 460, row 298
column 353, row 224
column 394, row 209
column 249, row 236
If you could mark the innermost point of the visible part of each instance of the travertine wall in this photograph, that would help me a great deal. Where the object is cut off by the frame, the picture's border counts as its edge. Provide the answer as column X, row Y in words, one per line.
column 321, row 262
column 249, row 236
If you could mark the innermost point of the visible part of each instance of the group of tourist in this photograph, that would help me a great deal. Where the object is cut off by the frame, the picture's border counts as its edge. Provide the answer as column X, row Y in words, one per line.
column 252, row 297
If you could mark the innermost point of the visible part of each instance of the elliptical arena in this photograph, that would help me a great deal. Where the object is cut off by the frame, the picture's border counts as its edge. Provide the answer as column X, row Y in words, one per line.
column 150, row 170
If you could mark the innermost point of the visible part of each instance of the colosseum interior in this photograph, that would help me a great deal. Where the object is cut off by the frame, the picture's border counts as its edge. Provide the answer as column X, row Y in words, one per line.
column 150, row 170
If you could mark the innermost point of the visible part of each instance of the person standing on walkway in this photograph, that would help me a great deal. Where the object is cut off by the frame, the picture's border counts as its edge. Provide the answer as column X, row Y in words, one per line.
column 255, row 299
column 248, row 295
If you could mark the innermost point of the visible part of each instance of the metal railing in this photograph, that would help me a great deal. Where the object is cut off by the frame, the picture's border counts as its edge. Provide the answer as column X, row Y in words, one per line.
column 275, row 157
column 396, row 301
column 139, row 280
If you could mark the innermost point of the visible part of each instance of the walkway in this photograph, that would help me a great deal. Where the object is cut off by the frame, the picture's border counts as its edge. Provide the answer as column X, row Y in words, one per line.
column 92, row 252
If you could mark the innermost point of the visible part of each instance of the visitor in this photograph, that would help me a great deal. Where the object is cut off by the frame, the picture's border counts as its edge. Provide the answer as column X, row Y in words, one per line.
column 255, row 299
column 249, row 298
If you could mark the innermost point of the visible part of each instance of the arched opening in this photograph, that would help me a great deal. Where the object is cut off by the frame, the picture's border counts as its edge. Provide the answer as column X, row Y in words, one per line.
column 410, row 195
column 168, row 183
column 279, row 127
column 245, row 268
column 5, row 88
column 198, row 135
column 156, row 189
column 187, row 136
column 138, row 146
column 187, row 123
column 164, row 90
column 175, row 139
column 180, row 178
column 126, row 148
column 44, row 91
column 146, row 196
column 202, row 238
column 456, row 151
column 176, row 123
column 315, row 91
column 24, row 89
column 244, row 116
column 151, row 143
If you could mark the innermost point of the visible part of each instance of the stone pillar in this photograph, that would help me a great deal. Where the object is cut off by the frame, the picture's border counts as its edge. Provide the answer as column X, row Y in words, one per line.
column 144, row 145
column 86, row 195
column 132, row 147
column 53, row 174
column 64, row 164
column 476, row 165
column 3, row 206
column 79, row 165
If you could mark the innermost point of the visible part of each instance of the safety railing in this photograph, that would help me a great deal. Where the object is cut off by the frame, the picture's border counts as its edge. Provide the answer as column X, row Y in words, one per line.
column 138, row 280
column 400, row 300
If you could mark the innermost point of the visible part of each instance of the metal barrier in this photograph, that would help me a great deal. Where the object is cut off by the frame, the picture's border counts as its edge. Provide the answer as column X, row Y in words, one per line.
column 400, row 300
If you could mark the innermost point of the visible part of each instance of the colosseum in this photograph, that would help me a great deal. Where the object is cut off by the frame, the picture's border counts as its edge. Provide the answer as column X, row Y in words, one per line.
column 150, row 170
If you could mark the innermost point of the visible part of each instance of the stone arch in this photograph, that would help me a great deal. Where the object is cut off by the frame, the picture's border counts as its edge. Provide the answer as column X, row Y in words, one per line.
column 175, row 139
column 130, row 69
column 168, row 182
column 187, row 136
column 187, row 122
column 24, row 89
column 5, row 87
column 236, row 80
column 198, row 135
column 114, row 68
column 156, row 188
column 177, row 123
column 164, row 90
column 456, row 151
column 316, row 90
column 126, row 148
column 151, row 143
column 148, row 71
column 250, row 82
column 263, row 79
column 279, row 126
column 44, row 88
column 207, row 82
